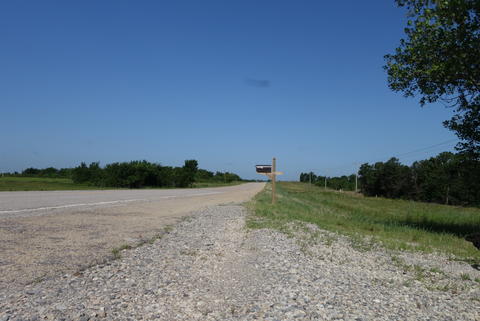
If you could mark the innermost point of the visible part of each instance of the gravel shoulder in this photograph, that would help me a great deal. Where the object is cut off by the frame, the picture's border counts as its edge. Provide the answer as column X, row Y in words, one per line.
column 210, row 267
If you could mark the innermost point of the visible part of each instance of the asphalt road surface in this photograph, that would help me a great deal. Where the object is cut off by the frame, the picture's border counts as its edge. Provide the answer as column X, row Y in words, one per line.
column 32, row 203
column 43, row 234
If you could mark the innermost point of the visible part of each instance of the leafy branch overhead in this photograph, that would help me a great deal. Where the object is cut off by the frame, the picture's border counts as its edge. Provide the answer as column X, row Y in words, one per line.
column 439, row 60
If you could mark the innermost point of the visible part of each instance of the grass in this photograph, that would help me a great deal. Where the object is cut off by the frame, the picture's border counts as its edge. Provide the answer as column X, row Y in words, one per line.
column 40, row 184
column 9, row 183
column 436, row 270
column 215, row 184
column 395, row 224
column 117, row 251
column 465, row 277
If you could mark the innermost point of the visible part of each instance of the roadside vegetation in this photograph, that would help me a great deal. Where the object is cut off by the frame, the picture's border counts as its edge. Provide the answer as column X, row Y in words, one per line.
column 452, row 179
column 12, row 183
column 134, row 174
column 393, row 224
column 216, row 184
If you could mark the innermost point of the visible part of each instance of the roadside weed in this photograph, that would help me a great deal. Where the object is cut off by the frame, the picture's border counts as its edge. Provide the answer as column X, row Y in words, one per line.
column 465, row 277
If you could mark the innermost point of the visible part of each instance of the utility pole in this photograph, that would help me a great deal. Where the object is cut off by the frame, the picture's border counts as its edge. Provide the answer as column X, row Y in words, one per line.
column 325, row 181
column 274, row 169
column 356, row 183
column 310, row 178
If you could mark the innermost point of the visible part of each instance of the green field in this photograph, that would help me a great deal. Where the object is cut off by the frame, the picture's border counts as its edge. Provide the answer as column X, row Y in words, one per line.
column 39, row 184
column 9, row 183
column 395, row 224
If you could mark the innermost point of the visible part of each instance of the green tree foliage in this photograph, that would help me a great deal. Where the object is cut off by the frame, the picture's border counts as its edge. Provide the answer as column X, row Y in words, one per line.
column 138, row 174
column 188, row 173
column 389, row 179
column 134, row 174
column 50, row 172
column 344, row 183
column 81, row 174
column 203, row 175
column 219, row 177
column 440, row 60
column 309, row 177
column 447, row 178
column 231, row 177
column 31, row 171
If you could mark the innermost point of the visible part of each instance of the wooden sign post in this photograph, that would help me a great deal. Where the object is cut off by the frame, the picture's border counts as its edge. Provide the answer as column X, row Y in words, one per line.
column 271, row 172
column 273, row 179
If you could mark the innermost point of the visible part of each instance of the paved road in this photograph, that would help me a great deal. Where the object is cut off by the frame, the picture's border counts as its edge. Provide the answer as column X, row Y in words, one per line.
column 34, row 203
column 43, row 234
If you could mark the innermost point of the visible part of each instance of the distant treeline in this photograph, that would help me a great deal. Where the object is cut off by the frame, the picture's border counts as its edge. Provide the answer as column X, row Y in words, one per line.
column 447, row 178
column 50, row 172
column 346, row 183
column 134, row 174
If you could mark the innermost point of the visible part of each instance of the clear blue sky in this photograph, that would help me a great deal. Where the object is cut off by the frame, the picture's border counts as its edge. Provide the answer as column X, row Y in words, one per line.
column 229, row 83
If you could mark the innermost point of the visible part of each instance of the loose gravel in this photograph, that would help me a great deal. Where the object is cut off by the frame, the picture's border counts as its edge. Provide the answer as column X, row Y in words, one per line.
column 210, row 267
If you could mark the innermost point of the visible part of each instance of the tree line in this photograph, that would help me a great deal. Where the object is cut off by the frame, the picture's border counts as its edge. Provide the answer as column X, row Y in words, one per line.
column 134, row 174
column 447, row 178
column 344, row 183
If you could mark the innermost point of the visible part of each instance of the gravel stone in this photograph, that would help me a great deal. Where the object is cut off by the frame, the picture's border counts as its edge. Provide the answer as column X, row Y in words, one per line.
column 210, row 267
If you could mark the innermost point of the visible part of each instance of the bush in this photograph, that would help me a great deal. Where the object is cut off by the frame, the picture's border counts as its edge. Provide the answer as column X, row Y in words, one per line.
column 134, row 174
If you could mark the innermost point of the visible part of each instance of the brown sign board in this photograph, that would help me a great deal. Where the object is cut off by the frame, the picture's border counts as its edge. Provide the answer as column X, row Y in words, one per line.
column 264, row 168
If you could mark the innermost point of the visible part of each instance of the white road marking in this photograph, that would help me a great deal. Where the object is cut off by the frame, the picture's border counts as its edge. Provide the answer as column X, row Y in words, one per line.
column 69, row 205
column 101, row 203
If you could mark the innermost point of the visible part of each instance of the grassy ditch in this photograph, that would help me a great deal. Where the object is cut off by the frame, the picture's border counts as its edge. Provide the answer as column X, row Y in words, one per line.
column 396, row 224
column 39, row 184
column 9, row 183
column 215, row 184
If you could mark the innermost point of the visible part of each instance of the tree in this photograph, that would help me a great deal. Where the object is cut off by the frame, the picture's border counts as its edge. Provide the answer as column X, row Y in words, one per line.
column 31, row 171
column 185, row 176
column 81, row 174
column 446, row 178
column 134, row 174
column 440, row 61
column 203, row 175
column 191, row 165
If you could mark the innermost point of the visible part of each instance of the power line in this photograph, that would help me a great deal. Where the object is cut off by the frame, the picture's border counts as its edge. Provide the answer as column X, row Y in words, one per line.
column 397, row 156
column 430, row 151
column 429, row 147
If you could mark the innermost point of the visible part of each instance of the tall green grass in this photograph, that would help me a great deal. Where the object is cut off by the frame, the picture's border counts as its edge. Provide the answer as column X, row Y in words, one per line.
column 39, row 184
column 215, row 184
column 9, row 183
column 396, row 224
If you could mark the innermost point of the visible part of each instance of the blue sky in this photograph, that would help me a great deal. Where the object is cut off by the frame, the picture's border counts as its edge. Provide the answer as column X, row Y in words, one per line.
column 229, row 83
